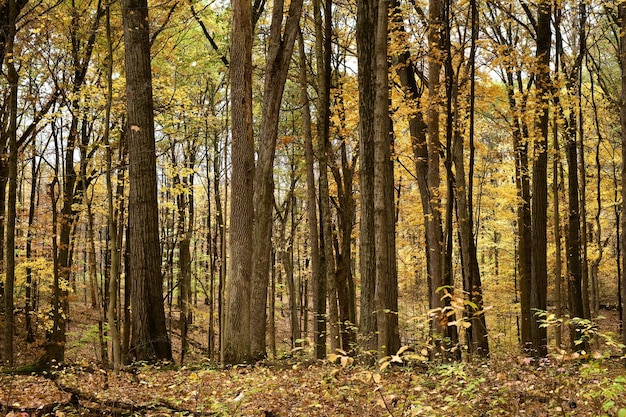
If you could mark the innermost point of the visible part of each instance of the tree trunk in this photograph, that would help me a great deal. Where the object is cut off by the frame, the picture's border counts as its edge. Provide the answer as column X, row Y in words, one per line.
column 622, row 55
column 236, row 340
column 539, row 270
column 114, row 249
column 29, row 309
column 441, row 332
column 150, row 340
column 281, row 42
column 367, row 15
column 323, row 43
column 9, row 253
column 317, row 275
column 386, row 293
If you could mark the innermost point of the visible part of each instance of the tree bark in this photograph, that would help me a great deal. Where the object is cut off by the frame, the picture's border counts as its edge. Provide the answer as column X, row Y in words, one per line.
column 539, row 271
column 9, row 253
column 386, row 293
column 150, row 340
column 236, row 340
column 317, row 275
column 281, row 42
column 367, row 15
column 622, row 55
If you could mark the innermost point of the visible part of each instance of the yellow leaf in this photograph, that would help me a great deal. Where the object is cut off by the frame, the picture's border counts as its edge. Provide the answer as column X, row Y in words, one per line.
column 402, row 350
column 346, row 361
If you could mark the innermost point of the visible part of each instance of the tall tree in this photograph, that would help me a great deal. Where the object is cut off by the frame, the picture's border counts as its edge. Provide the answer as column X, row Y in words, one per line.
column 539, row 207
column 386, row 294
column 472, row 284
column 322, row 10
column 435, row 237
column 318, row 276
column 517, row 91
column 622, row 61
column 115, row 252
column 570, row 120
column 11, row 133
column 281, row 42
column 236, row 341
column 150, row 340
column 367, row 12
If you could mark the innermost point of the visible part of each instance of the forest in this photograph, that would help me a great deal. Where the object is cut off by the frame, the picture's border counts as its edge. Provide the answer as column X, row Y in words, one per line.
column 330, row 207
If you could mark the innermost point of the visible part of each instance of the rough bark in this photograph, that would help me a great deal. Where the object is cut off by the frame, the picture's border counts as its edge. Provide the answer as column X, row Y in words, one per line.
column 236, row 340
column 281, row 42
column 150, row 340
column 386, row 293
column 539, row 204
column 367, row 12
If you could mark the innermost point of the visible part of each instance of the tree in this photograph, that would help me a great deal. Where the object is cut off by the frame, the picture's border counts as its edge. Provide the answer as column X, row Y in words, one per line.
column 237, row 323
column 12, row 79
column 574, row 235
column 150, row 340
column 318, row 280
column 622, row 106
column 367, row 12
column 512, row 70
column 539, row 208
column 386, row 294
column 438, row 274
column 281, row 41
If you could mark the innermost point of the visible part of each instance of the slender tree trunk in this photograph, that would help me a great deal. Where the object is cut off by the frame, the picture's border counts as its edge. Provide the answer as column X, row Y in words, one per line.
column 622, row 55
column 9, row 253
column 323, row 35
column 281, row 42
column 439, row 268
column 595, row 266
column 318, row 280
column 558, row 281
column 29, row 309
column 346, row 296
column 185, row 205
column 114, row 249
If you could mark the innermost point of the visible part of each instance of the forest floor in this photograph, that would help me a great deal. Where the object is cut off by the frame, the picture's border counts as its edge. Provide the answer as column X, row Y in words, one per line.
column 508, row 384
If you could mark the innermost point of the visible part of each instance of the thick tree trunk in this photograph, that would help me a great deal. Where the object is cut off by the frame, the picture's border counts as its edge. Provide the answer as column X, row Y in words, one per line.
column 150, row 340
column 236, row 340
column 539, row 270
column 367, row 12
column 386, row 294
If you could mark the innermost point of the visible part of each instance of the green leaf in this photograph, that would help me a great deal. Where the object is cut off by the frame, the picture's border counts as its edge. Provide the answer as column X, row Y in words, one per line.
column 621, row 412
